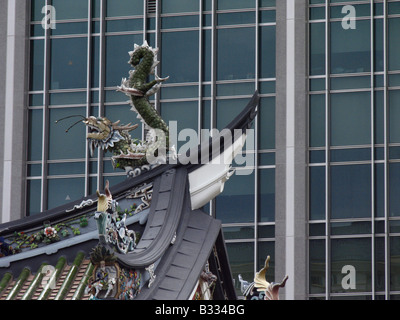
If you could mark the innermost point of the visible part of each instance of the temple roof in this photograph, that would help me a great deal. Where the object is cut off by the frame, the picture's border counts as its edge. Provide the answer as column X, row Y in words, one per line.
column 176, row 242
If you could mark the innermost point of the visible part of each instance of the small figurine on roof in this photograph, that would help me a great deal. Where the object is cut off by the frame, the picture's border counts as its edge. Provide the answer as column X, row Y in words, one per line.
column 5, row 248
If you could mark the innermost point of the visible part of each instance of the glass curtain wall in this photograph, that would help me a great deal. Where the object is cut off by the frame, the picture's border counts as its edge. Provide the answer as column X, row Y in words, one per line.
column 354, row 74
column 216, row 53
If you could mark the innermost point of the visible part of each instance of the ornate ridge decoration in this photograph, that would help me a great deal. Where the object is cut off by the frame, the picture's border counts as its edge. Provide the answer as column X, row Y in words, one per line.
column 109, row 280
column 261, row 289
column 112, row 230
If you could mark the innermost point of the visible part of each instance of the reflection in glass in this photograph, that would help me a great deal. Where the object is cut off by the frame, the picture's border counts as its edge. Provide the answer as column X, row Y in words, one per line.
column 35, row 134
column 66, row 145
column 379, row 191
column 393, row 44
column 235, row 53
column 355, row 253
column 317, row 48
column 394, row 116
column 350, row 48
column 124, row 8
column 185, row 114
column 317, row 120
column 227, row 110
column 317, row 266
column 266, row 195
column 175, row 6
column 180, row 49
column 379, row 264
column 350, row 191
column 236, row 202
column 68, row 63
column 267, row 52
column 37, row 65
column 317, row 193
column 63, row 191
column 350, row 118
column 234, row 4
column 394, row 263
column 33, row 198
column 394, row 189
column 119, row 46
column 378, row 45
column 71, row 9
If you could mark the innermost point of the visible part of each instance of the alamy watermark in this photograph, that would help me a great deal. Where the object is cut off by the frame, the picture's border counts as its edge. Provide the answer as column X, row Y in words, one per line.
column 349, row 280
column 207, row 147
column 49, row 19
column 349, row 21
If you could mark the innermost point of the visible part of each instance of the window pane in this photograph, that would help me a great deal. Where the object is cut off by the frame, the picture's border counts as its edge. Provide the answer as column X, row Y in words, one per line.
column 268, row 52
column 234, row 4
column 117, row 48
column 317, row 48
column 124, row 25
column 227, row 110
column 356, row 253
column 380, row 265
column 180, row 22
column 350, row 191
column 124, row 8
column 206, row 55
column 317, row 193
column 34, row 196
column 394, row 263
column 35, row 135
column 266, row 130
column 266, row 195
column 236, row 202
column 317, row 120
column 180, row 49
column 37, row 65
column 63, row 191
column 317, row 266
column 394, row 189
column 178, row 112
column 350, row 118
column 63, row 145
column 378, row 44
column 241, row 260
column 71, row 9
column 350, row 48
column 174, row 6
column 394, row 116
column 68, row 63
column 235, row 54
column 233, row 18
column 70, row 28
column 393, row 44
column 36, row 9
column 379, row 117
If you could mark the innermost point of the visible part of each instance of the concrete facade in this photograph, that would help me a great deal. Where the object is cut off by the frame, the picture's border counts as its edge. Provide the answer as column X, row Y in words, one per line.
column 291, row 146
column 14, row 65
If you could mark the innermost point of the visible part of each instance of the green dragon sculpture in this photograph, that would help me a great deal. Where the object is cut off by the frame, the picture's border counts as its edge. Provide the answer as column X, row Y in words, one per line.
column 131, row 153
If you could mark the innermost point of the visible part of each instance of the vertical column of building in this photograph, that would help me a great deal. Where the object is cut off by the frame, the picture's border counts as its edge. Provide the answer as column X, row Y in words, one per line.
column 13, row 64
column 291, row 120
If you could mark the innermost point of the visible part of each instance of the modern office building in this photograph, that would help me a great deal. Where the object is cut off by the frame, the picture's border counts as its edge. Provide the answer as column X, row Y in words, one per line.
column 322, row 194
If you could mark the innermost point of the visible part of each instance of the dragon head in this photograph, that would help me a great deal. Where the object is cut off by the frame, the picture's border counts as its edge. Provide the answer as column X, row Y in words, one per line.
column 103, row 133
